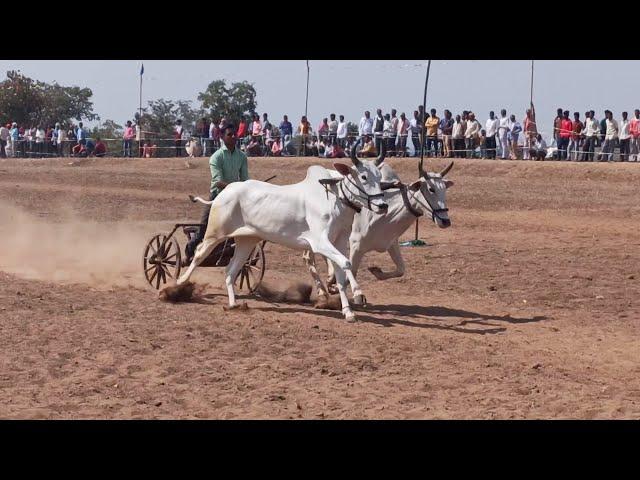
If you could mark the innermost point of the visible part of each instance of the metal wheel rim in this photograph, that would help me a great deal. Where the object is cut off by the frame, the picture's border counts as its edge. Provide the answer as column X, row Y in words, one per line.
column 252, row 271
column 169, row 264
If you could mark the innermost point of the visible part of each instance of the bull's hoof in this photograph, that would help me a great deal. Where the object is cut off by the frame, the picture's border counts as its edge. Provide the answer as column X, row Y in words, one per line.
column 377, row 272
column 237, row 306
column 360, row 300
column 350, row 317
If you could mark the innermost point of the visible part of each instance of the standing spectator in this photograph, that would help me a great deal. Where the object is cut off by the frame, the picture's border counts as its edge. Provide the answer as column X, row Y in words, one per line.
column 14, row 134
column 341, row 132
column 576, row 135
column 403, row 129
column 590, row 136
column 51, row 141
column 333, row 129
column 457, row 135
column 603, row 131
column 566, row 126
column 214, row 137
column 416, row 130
column 634, row 130
column 286, row 129
column 40, row 141
column 514, row 132
column 323, row 130
column 446, row 126
column 127, row 140
column 624, row 138
column 482, row 141
column 557, row 126
column 177, row 135
column 393, row 133
column 202, row 132
column 611, row 134
column 503, row 134
column 4, row 138
column 387, row 134
column 266, row 124
column 61, row 140
column 491, row 126
column 378, row 129
column 256, row 128
column 71, row 139
column 471, row 134
column 242, row 128
column 81, row 134
column 431, row 124
column 530, row 131
column 365, row 127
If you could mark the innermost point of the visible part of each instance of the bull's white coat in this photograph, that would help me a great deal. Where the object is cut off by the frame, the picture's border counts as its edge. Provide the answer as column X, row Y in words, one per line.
column 301, row 216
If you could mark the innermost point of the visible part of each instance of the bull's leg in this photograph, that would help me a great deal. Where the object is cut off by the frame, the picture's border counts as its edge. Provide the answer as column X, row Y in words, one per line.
column 202, row 251
column 341, row 266
column 342, row 245
column 356, row 258
column 331, row 278
column 310, row 262
column 396, row 256
column 244, row 246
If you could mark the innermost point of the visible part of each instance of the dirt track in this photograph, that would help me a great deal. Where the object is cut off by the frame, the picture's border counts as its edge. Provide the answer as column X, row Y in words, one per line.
column 527, row 307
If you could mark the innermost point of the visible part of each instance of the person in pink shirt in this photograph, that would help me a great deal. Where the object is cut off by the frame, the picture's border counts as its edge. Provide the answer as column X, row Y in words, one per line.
column 566, row 126
column 403, row 128
column 127, row 139
column 256, row 127
column 634, row 130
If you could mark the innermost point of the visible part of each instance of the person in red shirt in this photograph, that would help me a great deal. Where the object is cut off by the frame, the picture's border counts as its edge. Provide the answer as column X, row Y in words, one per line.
column 576, row 137
column 242, row 131
column 634, row 130
column 566, row 126
column 101, row 149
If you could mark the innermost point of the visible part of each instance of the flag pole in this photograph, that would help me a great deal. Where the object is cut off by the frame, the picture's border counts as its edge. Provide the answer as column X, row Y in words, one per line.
column 306, row 102
column 531, row 97
column 140, row 105
column 422, row 131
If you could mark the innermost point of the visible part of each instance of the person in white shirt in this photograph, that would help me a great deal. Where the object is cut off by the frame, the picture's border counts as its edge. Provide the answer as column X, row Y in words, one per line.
column 625, row 138
column 471, row 133
column 365, row 127
column 591, row 130
column 457, row 137
column 539, row 150
column 416, row 127
column 393, row 133
column 40, row 136
column 491, row 126
column 61, row 139
column 4, row 138
column 388, row 134
column 609, row 138
column 503, row 133
column 341, row 132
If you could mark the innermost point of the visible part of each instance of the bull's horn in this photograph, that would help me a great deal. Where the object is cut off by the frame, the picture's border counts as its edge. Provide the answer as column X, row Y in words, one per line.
column 355, row 159
column 383, row 152
column 446, row 169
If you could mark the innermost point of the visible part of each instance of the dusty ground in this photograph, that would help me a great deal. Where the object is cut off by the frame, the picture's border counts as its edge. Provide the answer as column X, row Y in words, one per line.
column 527, row 307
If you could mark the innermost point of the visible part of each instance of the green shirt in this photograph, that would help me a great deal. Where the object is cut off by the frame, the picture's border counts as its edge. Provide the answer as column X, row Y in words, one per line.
column 228, row 167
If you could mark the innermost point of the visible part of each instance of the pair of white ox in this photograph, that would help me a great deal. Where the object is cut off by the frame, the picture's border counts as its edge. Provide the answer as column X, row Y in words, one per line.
column 317, row 216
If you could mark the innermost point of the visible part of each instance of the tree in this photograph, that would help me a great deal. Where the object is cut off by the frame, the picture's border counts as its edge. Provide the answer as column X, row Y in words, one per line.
column 160, row 116
column 233, row 102
column 30, row 102
column 108, row 130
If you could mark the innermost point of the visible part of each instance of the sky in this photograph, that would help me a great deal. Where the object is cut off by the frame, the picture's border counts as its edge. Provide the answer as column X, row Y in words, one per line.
column 349, row 87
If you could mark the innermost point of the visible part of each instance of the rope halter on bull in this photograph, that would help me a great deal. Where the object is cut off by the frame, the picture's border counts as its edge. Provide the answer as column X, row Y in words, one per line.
column 347, row 180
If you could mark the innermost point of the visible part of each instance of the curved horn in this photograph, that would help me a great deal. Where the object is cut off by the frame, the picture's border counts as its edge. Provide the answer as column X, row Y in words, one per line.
column 383, row 153
column 355, row 159
column 446, row 169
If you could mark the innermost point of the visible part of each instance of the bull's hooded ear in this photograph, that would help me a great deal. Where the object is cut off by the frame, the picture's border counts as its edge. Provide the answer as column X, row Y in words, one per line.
column 415, row 186
column 448, row 183
column 342, row 169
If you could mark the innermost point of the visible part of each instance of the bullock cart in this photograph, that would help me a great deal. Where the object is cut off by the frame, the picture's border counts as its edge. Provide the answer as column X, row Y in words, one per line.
column 162, row 259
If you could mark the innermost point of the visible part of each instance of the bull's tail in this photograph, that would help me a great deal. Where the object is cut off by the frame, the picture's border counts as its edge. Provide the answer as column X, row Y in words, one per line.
column 199, row 199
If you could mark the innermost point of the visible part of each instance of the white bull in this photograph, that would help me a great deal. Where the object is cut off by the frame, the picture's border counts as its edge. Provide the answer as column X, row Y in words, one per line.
column 301, row 216
column 380, row 233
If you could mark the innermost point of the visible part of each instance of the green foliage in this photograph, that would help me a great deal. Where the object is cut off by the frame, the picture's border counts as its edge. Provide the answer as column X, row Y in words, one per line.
column 233, row 102
column 352, row 129
column 107, row 130
column 30, row 102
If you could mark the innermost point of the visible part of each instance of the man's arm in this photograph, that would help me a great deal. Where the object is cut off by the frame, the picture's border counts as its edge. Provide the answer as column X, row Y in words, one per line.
column 216, row 171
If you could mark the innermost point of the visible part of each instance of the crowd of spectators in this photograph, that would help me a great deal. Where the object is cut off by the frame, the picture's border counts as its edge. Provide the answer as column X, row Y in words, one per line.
column 461, row 136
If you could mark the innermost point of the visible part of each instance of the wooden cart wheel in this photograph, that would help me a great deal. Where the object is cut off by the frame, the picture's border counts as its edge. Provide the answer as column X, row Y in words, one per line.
column 252, row 272
column 161, row 264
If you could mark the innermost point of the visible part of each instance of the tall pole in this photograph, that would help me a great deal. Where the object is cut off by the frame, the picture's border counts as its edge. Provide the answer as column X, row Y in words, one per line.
column 531, row 98
column 422, row 128
column 306, row 102
column 140, row 105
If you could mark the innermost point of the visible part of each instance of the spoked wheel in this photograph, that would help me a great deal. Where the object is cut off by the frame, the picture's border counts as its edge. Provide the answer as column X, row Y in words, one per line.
column 252, row 272
column 161, row 263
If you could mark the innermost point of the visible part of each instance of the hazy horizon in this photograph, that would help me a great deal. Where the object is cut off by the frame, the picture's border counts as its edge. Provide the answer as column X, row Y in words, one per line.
column 350, row 87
